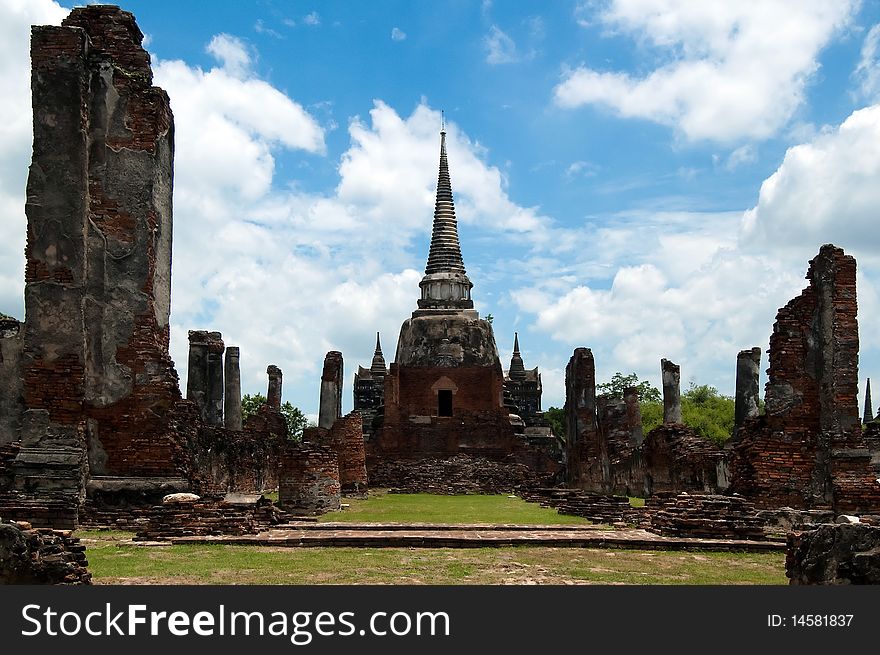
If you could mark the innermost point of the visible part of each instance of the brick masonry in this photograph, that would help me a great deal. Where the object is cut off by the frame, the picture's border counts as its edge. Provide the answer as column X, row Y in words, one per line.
column 807, row 450
column 308, row 479
column 98, row 263
column 346, row 439
column 41, row 556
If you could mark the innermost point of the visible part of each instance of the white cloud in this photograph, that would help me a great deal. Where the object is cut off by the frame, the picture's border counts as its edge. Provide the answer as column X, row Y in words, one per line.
column 868, row 69
column 824, row 190
column 312, row 19
column 16, row 137
column 500, row 48
column 735, row 69
column 580, row 169
column 232, row 53
column 260, row 27
column 743, row 155
column 397, row 34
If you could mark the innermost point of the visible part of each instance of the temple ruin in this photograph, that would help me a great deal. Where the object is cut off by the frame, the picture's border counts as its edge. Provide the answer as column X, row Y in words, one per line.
column 444, row 393
column 94, row 429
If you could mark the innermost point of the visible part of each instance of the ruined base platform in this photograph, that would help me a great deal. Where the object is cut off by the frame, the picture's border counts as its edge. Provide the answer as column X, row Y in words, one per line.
column 396, row 535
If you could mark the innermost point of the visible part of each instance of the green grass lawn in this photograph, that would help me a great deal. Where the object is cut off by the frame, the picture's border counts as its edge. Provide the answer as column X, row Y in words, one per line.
column 113, row 562
column 428, row 508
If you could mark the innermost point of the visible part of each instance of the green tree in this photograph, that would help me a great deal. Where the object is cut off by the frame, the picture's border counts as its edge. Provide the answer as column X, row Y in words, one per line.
column 556, row 417
column 647, row 392
column 708, row 412
column 296, row 421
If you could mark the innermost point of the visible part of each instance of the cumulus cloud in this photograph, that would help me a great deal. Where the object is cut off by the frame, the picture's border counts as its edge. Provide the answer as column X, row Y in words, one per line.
column 16, row 137
column 312, row 19
column 397, row 34
column 697, row 288
column 500, row 48
column 232, row 53
column 825, row 190
column 735, row 70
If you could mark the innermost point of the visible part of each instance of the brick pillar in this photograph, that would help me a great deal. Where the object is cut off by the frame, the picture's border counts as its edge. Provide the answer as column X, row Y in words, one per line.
column 232, row 398
column 330, row 407
column 204, row 384
column 671, row 374
column 273, row 395
column 582, row 446
column 748, row 365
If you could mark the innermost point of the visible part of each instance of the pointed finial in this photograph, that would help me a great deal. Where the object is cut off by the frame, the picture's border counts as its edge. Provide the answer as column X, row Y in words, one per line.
column 442, row 122
column 378, row 345
column 516, row 342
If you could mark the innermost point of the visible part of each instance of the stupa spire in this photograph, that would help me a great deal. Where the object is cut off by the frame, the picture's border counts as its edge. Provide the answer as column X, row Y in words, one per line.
column 378, row 365
column 445, row 253
column 446, row 285
column 517, row 367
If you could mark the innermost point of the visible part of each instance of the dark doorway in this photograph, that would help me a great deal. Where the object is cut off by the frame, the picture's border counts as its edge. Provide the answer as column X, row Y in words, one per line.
column 444, row 402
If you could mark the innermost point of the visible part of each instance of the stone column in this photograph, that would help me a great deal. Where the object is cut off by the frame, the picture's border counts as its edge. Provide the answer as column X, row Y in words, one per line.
column 869, row 409
column 232, row 398
column 633, row 415
column 748, row 365
column 273, row 396
column 582, row 445
column 671, row 374
column 330, row 407
column 204, row 383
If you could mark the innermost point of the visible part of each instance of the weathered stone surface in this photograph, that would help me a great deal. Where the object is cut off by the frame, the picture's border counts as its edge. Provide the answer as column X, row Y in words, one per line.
column 308, row 479
column 330, row 407
column 98, row 252
column 709, row 516
column 346, row 439
column 273, row 395
column 583, row 450
column 232, row 397
column 448, row 340
column 208, row 516
column 459, row 474
column 11, row 386
column 29, row 556
column 807, row 450
column 671, row 378
column 204, row 383
column 674, row 458
column 181, row 498
column 747, row 394
column 834, row 554
column 599, row 508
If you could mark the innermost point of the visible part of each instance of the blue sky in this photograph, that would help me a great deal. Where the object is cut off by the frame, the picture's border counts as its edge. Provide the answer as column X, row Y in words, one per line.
column 648, row 178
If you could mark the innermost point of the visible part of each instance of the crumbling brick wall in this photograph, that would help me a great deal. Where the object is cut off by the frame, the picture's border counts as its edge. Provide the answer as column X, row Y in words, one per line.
column 673, row 458
column 308, row 479
column 346, row 438
column 98, row 255
column 808, row 450
column 41, row 556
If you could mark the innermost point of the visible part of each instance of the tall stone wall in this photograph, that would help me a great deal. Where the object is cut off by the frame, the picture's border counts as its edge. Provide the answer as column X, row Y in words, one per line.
column 808, row 450
column 583, row 448
column 98, row 254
